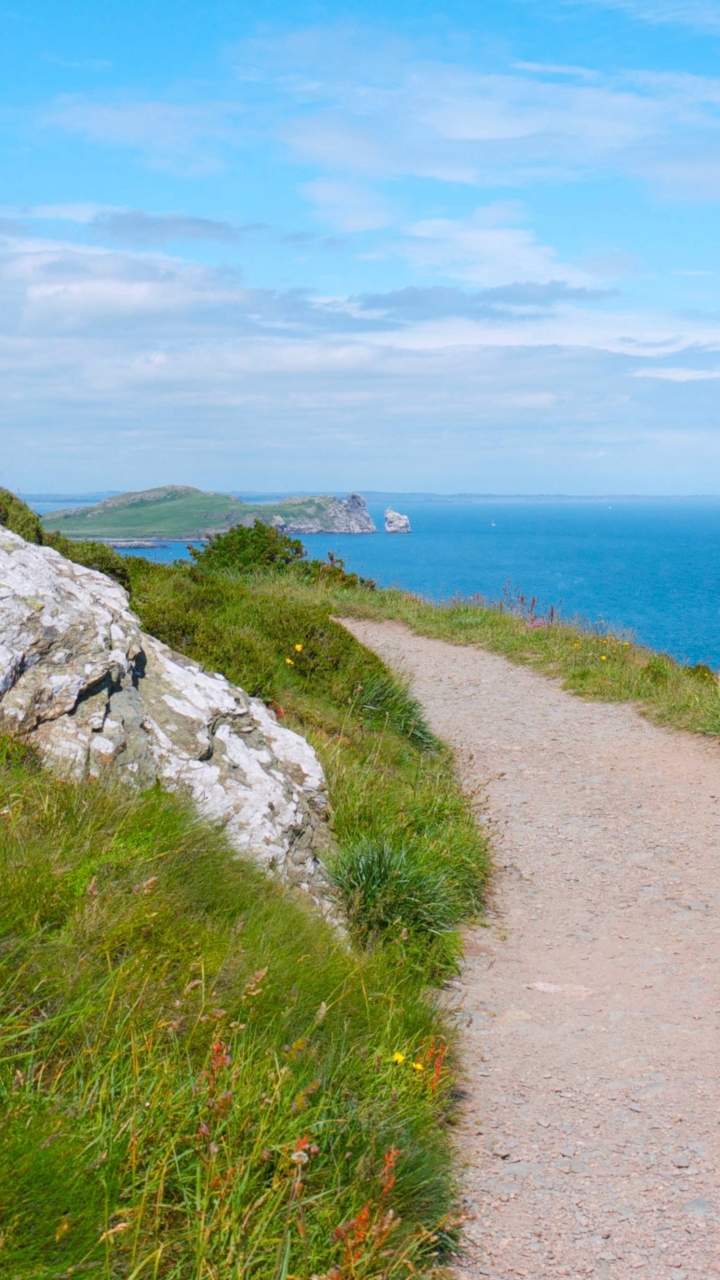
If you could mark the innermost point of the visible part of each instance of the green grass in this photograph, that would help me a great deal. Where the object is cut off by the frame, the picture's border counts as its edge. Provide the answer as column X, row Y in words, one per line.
column 391, row 783
column 197, row 1078
column 589, row 663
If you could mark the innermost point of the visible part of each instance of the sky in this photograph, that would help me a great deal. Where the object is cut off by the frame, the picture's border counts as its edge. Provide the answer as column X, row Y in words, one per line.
column 469, row 248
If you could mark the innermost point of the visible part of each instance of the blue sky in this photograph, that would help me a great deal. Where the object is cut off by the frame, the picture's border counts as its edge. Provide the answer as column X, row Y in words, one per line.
column 403, row 247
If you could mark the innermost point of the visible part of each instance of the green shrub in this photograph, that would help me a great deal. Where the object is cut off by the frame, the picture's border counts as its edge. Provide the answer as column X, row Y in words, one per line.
column 390, row 781
column 17, row 516
column 266, row 635
column 247, row 547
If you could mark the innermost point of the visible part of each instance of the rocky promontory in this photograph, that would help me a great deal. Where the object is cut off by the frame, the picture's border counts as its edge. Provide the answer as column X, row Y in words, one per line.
column 99, row 698
column 334, row 515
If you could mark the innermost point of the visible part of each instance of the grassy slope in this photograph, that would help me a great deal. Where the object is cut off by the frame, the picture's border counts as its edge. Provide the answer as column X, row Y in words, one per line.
column 156, row 1082
column 174, row 1032
column 173, row 516
column 385, row 785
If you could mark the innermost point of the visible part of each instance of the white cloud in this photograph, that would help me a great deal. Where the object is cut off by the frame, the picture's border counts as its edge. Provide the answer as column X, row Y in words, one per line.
column 391, row 114
column 477, row 250
column 678, row 374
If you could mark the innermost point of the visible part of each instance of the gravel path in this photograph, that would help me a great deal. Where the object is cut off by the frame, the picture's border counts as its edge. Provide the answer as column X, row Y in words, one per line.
column 591, row 1136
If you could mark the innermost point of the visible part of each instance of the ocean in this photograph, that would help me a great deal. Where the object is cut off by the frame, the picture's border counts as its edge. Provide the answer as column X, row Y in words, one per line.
column 647, row 567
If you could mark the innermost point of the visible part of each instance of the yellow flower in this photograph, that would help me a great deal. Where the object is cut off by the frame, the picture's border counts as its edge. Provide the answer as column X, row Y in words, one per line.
column 298, row 648
column 603, row 657
column 418, row 1066
column 289, row 662
column 398, row 1057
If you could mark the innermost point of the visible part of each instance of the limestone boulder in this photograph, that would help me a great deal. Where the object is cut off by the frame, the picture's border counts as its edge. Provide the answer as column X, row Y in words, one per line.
column 98, row 697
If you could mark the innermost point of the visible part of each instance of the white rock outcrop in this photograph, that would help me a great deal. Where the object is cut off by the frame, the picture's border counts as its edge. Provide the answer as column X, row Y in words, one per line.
column 98, row 697
column 395, row 522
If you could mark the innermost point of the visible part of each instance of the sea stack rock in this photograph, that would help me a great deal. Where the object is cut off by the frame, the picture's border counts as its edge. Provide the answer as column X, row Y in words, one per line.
column 395, row 523
column 99, row 698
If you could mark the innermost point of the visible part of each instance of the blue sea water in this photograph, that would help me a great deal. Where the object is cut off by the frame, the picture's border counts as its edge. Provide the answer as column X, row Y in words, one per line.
column 650, row 567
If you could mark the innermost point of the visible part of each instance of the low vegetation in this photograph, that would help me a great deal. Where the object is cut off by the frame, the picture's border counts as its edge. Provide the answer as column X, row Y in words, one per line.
column 198, row 1078
column 590, row 661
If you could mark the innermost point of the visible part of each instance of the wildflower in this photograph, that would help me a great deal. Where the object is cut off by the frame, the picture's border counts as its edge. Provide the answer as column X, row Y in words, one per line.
column 289, row 662
column 418, row 1066
column 603, row 657
column 398, row 1057
column 298, row 648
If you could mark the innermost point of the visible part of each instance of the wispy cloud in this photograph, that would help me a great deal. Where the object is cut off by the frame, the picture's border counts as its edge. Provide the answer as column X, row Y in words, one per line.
column 137, row 227
column 348, row 206
column 701, row 14
column 134, row 350
column 393, row 114
column 477, row 249
column 186, row 136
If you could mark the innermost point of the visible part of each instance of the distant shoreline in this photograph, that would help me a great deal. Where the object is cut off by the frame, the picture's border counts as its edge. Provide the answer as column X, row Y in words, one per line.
column 383, row 495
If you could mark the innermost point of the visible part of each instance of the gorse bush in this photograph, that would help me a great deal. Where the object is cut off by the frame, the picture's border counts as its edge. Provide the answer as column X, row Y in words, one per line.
column 19, row 518
column 244, row 547
column 196, row 1078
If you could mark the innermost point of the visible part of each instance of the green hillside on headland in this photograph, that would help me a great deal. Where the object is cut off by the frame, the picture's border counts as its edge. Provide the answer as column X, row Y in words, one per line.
column 178, row 512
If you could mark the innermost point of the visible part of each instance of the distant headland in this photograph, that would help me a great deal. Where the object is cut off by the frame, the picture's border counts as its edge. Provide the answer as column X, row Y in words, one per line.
column 179, row 512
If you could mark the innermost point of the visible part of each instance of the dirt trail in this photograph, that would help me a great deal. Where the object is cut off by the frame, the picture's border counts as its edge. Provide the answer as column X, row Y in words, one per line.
column 591, row 1138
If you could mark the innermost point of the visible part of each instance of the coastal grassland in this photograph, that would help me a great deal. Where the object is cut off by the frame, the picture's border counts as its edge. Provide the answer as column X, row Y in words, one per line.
column 413, row 861
column 590, row 662
column 197, row 1077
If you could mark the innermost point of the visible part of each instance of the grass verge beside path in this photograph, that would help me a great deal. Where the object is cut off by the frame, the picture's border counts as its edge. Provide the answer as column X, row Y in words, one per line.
column 593, row 665
column 413, row 861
